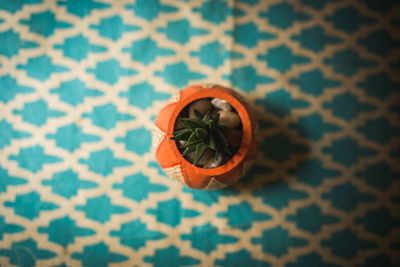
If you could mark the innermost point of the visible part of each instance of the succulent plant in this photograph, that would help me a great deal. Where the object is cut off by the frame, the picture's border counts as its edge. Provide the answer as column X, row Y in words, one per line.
column 200, row 133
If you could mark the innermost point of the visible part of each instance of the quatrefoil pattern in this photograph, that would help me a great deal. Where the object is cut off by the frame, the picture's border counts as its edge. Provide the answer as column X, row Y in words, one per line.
column 81, row 83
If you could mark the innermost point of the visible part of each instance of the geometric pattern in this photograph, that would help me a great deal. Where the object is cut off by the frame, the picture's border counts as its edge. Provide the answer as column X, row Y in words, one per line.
column 81, row 83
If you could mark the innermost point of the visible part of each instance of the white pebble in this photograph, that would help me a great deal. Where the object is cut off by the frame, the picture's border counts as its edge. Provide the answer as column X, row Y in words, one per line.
column 221, row 104
column 182, row 142
column 214, row 162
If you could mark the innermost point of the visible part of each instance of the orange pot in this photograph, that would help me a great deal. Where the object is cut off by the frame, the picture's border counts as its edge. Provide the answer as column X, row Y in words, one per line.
column 177, row 167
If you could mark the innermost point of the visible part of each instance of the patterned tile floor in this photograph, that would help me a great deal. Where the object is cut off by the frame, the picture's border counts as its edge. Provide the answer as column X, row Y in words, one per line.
column 82, row 81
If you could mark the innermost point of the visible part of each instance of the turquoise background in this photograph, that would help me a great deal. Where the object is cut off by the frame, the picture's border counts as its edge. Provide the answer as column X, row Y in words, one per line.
column 82, row 81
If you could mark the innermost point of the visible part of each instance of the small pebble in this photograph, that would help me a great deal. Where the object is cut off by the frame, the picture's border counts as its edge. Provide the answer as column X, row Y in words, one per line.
column 178, row 124
column 229, row 118
column 214, row 162
column 221, row 104
column 208, row 154
column 202, row 106
column 233, row 136
column 181, row 143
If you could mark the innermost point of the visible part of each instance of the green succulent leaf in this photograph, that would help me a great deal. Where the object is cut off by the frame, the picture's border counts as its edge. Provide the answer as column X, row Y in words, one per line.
column 206, row 117
column 216, row 154
column 189, row 149
column 198, row 114
column 193, row 139
column 192, row 124
column 222, row 138
column 201, row 133
column 211, row 143
column 216, row 117
column 182, row 134
column 200, row 149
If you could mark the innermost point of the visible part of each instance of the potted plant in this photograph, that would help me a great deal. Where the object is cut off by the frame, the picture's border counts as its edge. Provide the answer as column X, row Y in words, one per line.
column 204, row 138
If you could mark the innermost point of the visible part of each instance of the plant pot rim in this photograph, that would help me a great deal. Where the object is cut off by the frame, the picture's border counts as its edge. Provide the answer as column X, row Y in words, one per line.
column 246, row 126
